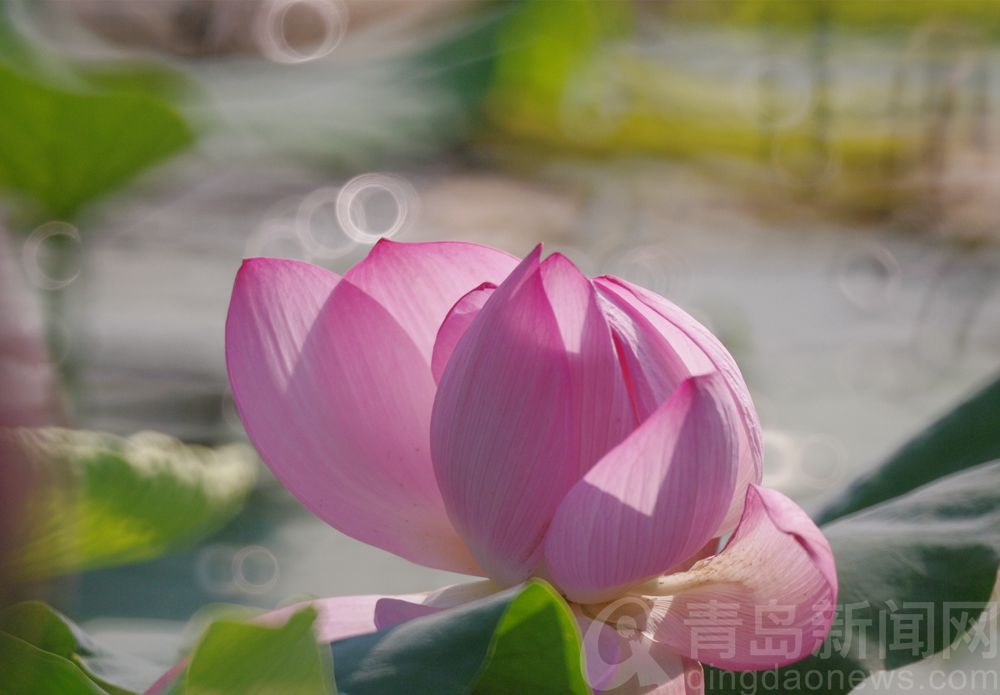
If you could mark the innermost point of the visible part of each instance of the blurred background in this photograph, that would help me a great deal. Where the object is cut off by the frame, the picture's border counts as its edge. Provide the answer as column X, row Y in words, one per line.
column 817, row 181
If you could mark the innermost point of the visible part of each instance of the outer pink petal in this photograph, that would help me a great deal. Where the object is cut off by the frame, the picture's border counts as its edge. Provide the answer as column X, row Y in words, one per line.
column 603, row 651
column 653, row 501
column 339, row 617
column 459, row 594
column 653, row 315
column 684, row 676
column 419, row 283
column 766, row 600
column 531, row 398
column 390, row 612
column 337, row 400
column 501, row 426
column 455, row 324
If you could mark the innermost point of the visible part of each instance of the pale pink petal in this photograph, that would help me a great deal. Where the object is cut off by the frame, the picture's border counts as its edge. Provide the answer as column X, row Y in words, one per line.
column 455, row 324
column 339, row 617
column 531, row 398
column 419, row 283
column 662, row 332
column 337, row 400
column 602, row 650
column 765, row 601
column 395, row 610
column 685, row 676
column 458, row 594
column 390, row 612
column 501, row 426
column 653, row 501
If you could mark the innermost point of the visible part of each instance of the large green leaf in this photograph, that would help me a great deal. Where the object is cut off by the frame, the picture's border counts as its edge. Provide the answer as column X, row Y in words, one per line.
column 238, row 658
column 28, row 670
column 967, row 436
column 103, row 500
column 523, row 640
column 61, row 149
column 927, row 561
column 536, row 648
column 52, row 637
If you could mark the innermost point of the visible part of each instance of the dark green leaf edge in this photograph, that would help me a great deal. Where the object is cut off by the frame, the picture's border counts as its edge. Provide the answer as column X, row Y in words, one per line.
column 966, row 436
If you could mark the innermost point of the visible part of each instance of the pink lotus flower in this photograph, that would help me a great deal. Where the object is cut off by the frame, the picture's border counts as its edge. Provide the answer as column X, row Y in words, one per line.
column 512, row 420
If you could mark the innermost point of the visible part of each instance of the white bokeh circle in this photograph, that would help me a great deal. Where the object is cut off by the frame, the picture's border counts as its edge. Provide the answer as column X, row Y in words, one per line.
column 318, row 226
column 350, row 205
column 259, row 579
column 33, row 248
column 868, row 276
column 269, row 29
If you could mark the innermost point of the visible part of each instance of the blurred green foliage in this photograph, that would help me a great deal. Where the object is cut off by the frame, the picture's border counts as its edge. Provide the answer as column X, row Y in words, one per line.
column 864, row 15
column 524, row 639
column 236, row 658
column 586, row 77
column 62, row 149
column 28, row 670
column 71, row 133
column 102, row 500
column 41, row 651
